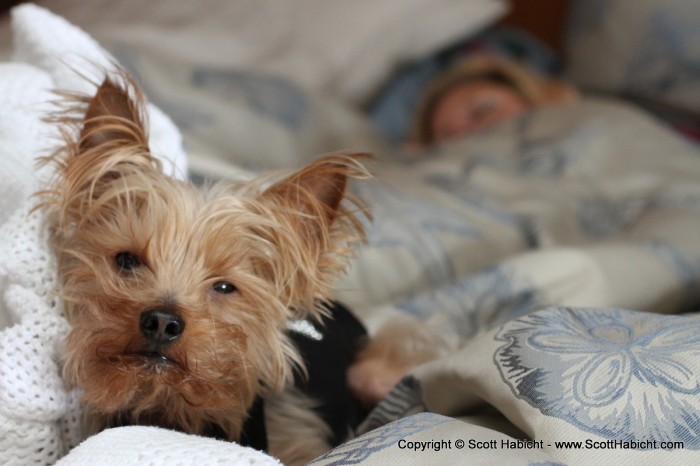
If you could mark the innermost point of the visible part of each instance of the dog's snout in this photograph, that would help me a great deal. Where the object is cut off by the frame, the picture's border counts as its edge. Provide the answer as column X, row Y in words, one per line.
column 161, row 327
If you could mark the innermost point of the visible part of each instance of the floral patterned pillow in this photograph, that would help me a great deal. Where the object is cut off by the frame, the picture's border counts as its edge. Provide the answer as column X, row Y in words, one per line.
column 573, row 385
column 616, row 374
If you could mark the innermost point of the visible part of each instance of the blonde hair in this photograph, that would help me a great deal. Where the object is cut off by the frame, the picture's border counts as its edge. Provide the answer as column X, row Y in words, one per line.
column 535, row 89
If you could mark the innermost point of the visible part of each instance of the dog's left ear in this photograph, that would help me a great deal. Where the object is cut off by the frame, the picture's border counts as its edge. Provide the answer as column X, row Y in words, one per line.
column 313, row 194
column 314, row 228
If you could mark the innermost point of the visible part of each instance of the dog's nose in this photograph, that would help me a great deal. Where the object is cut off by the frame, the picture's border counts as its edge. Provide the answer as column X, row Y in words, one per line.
column 161, row 327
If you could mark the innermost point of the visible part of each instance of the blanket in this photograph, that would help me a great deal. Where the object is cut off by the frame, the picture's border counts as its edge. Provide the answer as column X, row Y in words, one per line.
column 561, row 248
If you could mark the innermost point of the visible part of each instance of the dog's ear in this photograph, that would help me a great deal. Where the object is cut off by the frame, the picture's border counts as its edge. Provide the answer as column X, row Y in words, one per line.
column 315, row 228
column 105, row 145
column 313, row 195
column 113, row 118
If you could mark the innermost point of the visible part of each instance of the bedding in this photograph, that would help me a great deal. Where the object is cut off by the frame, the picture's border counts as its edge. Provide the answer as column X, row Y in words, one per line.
column 559, row 247
column 646, row 48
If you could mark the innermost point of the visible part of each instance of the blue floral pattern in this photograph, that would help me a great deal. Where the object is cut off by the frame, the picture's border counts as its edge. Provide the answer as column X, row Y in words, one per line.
column 686, row 266
column 358, row 450
column 655, row 58
column 667, row 56
column 618, row 374
column 184, row 114
column 268, row 95
column 552, row 154
column 477, row 303
column 600, row 216
column 402, row 219
column 483, row 203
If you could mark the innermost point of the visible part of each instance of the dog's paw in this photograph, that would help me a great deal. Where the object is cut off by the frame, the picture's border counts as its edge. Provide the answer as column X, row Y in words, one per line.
column 400, row 345
column 372, row 377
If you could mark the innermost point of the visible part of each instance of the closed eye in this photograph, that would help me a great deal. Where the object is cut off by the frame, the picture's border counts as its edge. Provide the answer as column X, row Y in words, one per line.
column 483, row 109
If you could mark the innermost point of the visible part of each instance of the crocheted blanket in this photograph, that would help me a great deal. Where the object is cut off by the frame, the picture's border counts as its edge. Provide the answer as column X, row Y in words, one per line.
column 39, row 418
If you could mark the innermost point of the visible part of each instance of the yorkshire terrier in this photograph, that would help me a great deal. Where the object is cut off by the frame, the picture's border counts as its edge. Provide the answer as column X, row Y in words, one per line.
column 188, row 306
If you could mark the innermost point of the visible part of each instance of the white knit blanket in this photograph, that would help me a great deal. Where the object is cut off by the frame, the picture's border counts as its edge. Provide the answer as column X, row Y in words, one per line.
column 39, row 418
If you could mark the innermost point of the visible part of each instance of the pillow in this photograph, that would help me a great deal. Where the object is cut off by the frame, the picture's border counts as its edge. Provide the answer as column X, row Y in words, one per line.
column 342, row 48
column 428, row 438
column 234, row 121
column 649, row 48
column 589, row 386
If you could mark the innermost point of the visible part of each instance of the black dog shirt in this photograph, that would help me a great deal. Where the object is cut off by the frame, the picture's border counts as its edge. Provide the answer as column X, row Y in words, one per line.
column 327, row 348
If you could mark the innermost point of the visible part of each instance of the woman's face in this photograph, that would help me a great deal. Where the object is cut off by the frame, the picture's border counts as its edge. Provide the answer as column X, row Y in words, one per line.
column 474, row 106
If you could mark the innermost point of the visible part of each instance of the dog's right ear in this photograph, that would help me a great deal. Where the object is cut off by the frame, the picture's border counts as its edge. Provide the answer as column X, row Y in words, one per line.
column 113, row 118
column 104, row 146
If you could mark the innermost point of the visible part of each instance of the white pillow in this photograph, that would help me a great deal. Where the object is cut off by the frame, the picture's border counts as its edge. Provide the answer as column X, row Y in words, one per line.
column 646, row 47
column 345, row 48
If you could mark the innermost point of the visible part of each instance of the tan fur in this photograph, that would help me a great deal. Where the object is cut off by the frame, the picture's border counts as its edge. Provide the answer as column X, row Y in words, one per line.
column 280, row 245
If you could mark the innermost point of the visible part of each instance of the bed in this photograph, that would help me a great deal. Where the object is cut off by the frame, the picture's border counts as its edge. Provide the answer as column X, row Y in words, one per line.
column 562, row 246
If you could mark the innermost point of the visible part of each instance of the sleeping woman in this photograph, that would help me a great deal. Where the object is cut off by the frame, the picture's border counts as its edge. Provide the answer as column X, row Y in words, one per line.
column 479, row 92
column 469, row 87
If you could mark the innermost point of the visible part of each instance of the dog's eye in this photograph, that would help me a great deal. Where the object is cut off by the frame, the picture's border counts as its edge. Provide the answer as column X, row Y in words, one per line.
column 127, row 261
column 224, row 287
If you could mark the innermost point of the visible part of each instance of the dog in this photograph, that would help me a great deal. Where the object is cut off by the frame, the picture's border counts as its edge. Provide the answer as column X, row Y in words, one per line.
column 180, row 299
